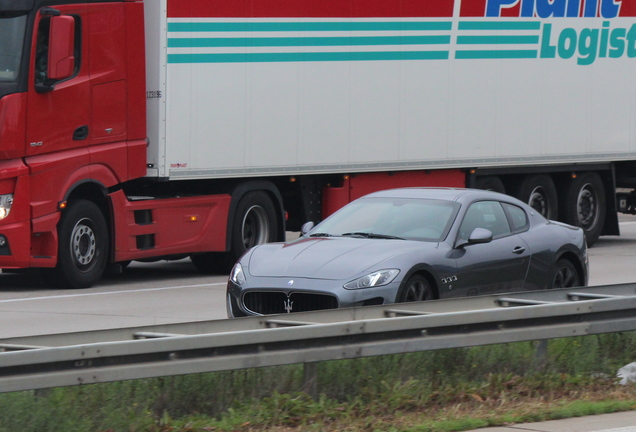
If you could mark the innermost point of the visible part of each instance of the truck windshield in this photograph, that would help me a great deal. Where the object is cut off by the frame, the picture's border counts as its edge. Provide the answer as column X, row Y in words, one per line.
column 12, row 31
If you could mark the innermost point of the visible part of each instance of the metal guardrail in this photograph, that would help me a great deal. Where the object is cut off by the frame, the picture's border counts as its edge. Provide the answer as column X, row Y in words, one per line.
column 143, row 352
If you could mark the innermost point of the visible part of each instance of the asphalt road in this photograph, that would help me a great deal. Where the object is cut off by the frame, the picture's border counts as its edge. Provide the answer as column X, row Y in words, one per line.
column 167, row 292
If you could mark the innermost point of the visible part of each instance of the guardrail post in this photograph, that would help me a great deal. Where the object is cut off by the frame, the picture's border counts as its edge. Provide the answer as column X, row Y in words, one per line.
column 310, row 379
column 541, row 353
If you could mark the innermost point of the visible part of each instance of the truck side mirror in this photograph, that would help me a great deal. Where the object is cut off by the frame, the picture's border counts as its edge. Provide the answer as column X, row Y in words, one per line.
column 61, row 62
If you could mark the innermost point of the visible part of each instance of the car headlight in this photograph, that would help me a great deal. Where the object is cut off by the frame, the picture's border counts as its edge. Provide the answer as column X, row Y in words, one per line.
column 236, row 275
column 6, row 201
column 375, row 279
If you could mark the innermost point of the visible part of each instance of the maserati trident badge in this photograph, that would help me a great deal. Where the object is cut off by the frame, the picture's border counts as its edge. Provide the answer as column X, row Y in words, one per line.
column 288, row 305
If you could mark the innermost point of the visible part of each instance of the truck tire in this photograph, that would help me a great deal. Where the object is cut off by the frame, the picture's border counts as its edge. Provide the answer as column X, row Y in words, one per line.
column 213, row 263
column 254, row 222
column 539, row 192
column 491, row 183
column 82, row 246
column 585, row 205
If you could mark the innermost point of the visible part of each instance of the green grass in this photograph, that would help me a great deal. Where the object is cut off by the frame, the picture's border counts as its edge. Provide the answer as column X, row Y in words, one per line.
column 448, row 390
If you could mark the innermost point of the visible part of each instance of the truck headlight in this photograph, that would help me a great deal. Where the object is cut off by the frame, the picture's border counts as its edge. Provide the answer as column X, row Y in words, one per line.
column 236, row 275
column 6, row 201
column 379, row 278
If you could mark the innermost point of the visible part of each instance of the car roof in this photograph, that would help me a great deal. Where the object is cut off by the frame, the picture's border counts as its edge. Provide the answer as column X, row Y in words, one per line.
column 449, row 194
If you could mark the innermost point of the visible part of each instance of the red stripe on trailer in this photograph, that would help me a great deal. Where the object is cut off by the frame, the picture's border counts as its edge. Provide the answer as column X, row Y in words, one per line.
column 628, row 8
column 356, row 186
column 310, row 9
column 473, row 8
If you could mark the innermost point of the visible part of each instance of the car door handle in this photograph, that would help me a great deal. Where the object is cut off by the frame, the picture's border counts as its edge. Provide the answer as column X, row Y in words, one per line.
column 519, row 250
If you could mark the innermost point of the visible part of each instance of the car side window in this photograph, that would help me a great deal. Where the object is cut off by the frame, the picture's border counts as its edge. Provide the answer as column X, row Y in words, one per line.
column 485, row 214
column 517, row 216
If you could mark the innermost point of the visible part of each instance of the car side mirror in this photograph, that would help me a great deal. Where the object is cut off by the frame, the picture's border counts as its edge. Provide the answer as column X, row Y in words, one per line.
column 307, row 226
column 478, row 236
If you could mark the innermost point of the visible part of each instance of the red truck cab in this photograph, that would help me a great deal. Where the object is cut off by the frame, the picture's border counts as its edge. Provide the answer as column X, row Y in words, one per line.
column 72, row 128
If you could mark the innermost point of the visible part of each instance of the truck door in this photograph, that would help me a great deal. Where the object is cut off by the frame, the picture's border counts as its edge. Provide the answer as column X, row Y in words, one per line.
column 59, row 89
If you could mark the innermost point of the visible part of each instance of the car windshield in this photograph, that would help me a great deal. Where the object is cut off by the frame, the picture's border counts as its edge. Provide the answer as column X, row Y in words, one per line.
column 405, row 218
column 12, row 31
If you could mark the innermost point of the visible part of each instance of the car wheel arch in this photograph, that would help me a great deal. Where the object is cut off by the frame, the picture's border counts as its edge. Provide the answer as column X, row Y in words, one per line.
column 573, row 259
column 425, row 271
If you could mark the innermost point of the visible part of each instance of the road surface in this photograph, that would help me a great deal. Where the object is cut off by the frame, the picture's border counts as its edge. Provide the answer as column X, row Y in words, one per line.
column 167, row 292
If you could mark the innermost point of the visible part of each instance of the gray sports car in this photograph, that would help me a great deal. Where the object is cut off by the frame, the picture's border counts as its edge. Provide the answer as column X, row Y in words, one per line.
column 406, row 245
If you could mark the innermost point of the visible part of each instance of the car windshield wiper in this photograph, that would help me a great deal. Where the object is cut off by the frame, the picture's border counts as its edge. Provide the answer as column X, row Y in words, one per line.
column 371, row 235
column 319, row 234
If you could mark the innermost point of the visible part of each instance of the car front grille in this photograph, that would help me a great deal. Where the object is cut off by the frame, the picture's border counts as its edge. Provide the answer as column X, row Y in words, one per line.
column 276, row 302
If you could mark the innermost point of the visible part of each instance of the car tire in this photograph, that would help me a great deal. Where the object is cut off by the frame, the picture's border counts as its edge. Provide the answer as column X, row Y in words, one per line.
column 539, row 192
column 82, row 247
column 564, row 275
column 416, row 288
column 585, row 205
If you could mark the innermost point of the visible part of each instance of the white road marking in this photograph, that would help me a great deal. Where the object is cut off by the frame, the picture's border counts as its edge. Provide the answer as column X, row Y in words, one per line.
column 111, row 292
column 625, row 429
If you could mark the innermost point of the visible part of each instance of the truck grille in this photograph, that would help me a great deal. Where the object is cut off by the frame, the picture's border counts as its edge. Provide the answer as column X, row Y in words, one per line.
column 266, row 303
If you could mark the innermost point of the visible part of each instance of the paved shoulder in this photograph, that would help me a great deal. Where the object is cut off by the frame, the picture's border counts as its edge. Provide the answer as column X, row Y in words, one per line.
column 618, row 422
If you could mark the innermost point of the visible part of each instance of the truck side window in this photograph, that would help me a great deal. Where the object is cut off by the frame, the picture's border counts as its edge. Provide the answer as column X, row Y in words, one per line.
column 42, row 52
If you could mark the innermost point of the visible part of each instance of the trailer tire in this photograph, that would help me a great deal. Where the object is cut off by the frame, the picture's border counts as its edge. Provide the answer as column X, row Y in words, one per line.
column 539, row 192
column 82, row 246
column 491, row 183
column 585, row 205
column 254, row 222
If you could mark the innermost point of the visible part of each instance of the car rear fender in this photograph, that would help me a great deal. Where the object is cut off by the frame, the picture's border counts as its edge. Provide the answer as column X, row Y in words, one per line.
column 574, row 259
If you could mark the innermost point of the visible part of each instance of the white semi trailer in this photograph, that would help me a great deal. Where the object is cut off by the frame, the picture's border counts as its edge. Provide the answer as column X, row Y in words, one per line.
column 166, row 128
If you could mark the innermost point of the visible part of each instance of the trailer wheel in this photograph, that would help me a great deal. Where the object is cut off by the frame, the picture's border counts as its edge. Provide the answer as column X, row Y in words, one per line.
column 416, row 288
column 491, row 183
column 540, row 194
column 564, row 275
column 82, row 246
column 585, row 205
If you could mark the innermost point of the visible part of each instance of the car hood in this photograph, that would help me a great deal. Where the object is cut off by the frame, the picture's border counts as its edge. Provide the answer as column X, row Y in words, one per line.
column 328, row 258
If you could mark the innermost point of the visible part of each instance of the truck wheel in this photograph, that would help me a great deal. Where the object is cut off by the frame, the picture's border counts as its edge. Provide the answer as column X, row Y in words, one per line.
column 82, row 246
column 540, row 194
column 585, row 205
column 416, row 288
column 491, row 183
column 213, row 263
column 254, row 222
